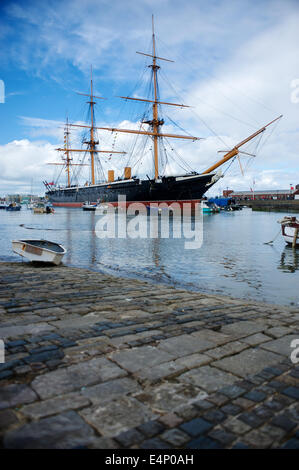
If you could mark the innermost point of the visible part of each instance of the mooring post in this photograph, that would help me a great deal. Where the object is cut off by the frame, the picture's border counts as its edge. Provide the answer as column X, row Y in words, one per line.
column 295, row 237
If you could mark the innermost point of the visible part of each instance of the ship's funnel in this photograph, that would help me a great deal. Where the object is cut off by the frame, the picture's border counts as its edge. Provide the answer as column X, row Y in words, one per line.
column 110, row 176
column 127, row 172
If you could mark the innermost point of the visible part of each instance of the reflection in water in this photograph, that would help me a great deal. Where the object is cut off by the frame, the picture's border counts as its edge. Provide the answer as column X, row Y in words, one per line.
column 159, row 266
column 155, row 251
column 68, row 257
column 92, row 237
column 289, row 261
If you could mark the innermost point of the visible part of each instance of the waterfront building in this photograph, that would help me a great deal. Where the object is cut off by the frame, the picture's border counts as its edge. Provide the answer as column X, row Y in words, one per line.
column 22, row 198
column 265, row 194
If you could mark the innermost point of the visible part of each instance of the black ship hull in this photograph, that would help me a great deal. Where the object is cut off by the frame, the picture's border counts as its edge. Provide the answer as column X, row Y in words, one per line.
column 167, row 189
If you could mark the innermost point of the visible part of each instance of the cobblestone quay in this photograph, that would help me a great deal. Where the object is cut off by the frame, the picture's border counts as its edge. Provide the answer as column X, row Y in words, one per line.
column 94, row 361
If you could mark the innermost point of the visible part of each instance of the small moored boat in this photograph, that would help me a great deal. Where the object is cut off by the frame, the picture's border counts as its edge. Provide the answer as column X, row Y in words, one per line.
column 290, row 230
column 225, row 203
column 39, row 250
column 89, row 207
column 42, row 208
column 209, row 208
column 13, row 207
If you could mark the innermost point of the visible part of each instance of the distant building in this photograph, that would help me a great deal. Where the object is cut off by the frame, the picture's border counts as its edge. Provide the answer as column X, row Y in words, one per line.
column 282, row 194
column 13, row 198
column 22, row 198
column 227, row 192
column 27, row 198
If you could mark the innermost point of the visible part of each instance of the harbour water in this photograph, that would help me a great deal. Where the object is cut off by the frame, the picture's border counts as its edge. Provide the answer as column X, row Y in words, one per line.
column 233, row 259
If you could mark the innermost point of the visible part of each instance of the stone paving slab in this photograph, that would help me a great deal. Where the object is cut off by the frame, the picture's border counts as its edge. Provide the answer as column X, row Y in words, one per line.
column 14, row 331
column 96, row 361
column 117, row 416
column 74, row 377
column 53, row 406
column 164, row 399
column 67, row 430
column 208, row 378
column 145, row 356
column 228, row 349
column 159, row 372
column 111, row 390
column 184, row 345
column 256, row 339
column 281, row 345
column 16, row 394
column 242, row 329
column 248, row 362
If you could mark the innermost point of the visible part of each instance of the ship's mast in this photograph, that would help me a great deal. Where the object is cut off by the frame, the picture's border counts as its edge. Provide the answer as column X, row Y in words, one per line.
column 155, row 123
column 92, row 143
column 68, row 158
column 235, row 151
column 67, row 161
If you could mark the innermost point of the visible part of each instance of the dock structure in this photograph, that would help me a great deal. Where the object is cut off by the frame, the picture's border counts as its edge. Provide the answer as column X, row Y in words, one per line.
column 95, row 361
column 282, row 205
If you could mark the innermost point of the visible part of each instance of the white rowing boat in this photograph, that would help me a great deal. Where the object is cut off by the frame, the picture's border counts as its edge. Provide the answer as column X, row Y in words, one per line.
column 39, row 250
column 89, row 206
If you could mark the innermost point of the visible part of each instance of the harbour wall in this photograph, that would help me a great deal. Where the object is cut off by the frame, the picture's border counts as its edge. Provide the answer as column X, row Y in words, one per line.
column 273, row 205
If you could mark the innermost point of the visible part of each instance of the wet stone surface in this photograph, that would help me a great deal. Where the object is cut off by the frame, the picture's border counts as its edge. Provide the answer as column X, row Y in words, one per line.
column 95, row 361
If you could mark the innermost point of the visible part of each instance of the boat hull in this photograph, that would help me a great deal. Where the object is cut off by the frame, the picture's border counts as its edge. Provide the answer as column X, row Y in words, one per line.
column 288, row 235
column 37, row 254
column 39, row 210
column 13, row 209
column 89, row 207
column 168, row 189
column 290, row 230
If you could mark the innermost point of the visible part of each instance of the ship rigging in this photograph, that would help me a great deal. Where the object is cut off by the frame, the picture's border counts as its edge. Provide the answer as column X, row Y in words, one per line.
column 188, row 187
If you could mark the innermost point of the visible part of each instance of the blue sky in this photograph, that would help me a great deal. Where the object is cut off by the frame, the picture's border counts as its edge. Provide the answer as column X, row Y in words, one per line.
column 235, row 62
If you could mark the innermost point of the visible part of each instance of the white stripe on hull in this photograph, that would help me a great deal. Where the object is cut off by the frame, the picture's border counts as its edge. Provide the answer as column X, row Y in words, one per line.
column 289, row 235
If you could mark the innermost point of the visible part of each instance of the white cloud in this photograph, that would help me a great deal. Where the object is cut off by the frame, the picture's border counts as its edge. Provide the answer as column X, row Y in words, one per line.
column 37, row 127
column 23, row 162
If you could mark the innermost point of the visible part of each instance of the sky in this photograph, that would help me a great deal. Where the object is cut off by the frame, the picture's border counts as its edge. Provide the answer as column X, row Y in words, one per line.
column 236, row 64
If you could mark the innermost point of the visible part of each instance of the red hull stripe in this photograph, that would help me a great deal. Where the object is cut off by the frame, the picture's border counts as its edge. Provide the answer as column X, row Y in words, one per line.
column 146, row 203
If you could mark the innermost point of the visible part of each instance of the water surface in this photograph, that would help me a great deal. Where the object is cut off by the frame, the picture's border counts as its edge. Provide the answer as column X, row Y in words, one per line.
column 233, row 259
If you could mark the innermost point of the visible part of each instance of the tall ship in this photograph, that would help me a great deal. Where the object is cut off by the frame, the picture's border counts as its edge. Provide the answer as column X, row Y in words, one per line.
column 189, row 186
